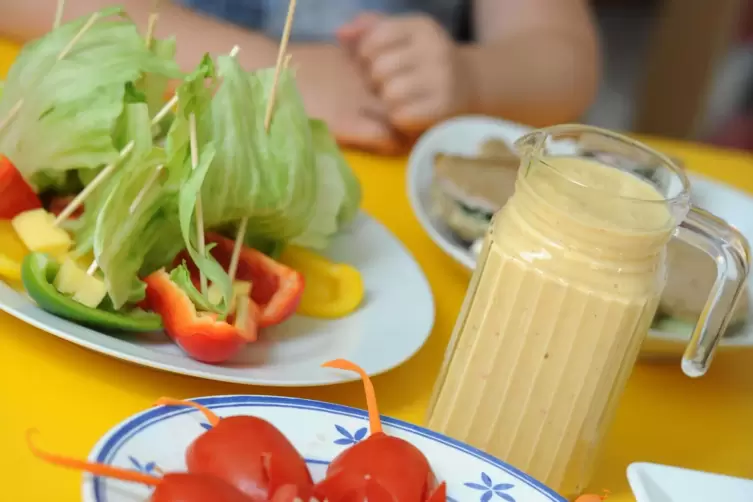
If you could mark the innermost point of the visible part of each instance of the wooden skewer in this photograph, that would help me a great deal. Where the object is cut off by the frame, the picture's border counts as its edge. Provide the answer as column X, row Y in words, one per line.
column 283, row 60
column 152, row 23
column 92, row 268
column 155, row 175
column 142, row 193
column 104, row 173
column 199, row 210
column 243, row 224
column 59, row 14
column 278, row 67
column 17, row 107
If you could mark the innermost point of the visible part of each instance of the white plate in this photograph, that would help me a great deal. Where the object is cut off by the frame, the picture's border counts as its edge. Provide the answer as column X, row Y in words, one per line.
column 662, row 483
column 464, row 136
column 393, row 322
column 160, row 436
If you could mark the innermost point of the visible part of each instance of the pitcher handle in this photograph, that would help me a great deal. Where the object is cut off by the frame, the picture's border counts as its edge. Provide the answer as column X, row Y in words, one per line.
column 731, row 253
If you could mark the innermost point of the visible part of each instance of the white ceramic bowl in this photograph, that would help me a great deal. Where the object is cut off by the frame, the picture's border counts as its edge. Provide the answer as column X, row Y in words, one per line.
column 158, row 438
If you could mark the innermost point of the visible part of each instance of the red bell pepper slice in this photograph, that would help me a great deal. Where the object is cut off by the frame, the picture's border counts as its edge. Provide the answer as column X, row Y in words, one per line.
column 275, row 288
column 16, row 196
column 200, row 335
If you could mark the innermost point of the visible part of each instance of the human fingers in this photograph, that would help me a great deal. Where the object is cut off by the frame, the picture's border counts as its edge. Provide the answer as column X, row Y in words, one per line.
column 416, row 116
column 353, row 30
column 388, row 33
column 372, row 136
column 403, row 89
column 393, row 63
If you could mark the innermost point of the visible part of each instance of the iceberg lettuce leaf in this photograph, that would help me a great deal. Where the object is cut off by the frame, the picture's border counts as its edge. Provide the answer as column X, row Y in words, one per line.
column 267, row 177
column 68, row 107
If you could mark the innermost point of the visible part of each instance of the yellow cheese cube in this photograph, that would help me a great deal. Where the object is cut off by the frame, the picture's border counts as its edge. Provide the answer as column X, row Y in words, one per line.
column 37, row 230
column 240, row 288
column 73, row 280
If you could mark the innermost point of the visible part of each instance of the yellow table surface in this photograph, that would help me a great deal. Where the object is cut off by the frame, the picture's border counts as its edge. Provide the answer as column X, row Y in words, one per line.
column 664, row 416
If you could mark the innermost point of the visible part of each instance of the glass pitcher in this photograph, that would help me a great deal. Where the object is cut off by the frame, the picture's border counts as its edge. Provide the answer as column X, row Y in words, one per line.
column 564, row 292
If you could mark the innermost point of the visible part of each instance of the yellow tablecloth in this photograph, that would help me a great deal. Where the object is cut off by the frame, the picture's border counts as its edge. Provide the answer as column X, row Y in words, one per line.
column 664, row 417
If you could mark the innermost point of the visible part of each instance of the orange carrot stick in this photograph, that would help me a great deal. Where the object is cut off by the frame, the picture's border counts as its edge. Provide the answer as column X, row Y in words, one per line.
column 91, row 467
column 375, row 423
column 591, row 498
column 209, row 414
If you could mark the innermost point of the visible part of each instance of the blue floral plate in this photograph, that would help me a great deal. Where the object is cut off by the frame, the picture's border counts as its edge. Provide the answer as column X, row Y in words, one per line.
column 157, row 440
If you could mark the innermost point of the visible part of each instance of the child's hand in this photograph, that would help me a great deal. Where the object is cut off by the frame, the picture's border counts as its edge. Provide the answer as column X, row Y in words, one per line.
column 414, row 64
column 334, row 91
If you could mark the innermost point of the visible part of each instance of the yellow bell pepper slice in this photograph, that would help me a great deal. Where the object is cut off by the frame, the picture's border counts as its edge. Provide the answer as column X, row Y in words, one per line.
column 13, row 252
column 9, row 269
column 332, row 289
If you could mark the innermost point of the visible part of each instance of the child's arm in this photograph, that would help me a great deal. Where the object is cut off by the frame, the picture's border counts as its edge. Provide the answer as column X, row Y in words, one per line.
column 196, row 34
column 331, row 86
column 536, row 61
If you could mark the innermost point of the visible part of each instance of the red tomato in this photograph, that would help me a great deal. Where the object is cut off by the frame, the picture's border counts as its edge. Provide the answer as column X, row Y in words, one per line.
column 16, row 196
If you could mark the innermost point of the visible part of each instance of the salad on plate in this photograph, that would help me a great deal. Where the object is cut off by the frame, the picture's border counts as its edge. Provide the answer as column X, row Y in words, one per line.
column 201, row 215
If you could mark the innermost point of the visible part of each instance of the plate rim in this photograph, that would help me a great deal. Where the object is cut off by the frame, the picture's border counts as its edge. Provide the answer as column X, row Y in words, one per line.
column 464, row 258
column 636, row 470
column 109, row 444
column 206, row 372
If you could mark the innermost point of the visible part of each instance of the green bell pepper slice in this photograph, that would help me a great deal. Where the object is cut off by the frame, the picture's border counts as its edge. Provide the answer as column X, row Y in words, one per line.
column 38, row 272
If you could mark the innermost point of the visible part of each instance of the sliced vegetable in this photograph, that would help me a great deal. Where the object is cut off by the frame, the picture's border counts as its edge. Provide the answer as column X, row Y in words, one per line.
column 12, row 245
column 201, row 335
column 332, row 289
column 37, row 230
column 72, row 280
column 10, row 269
column 16, row 196
column 38, row 273
column 276, row 288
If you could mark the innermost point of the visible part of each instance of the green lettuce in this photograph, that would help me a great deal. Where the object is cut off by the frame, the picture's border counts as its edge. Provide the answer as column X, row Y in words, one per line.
column 121, row 238
column 267, row 177
column 338, row 194
column 69, row 106
column 189, row 194
column 154, row 84
column 194, row 97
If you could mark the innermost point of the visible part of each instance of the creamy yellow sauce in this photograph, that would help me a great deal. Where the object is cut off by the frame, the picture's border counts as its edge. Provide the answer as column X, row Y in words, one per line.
column 565, row 290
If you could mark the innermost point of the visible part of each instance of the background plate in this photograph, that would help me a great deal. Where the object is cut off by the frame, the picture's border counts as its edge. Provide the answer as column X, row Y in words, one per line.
column 393, row 322
column 464, row 136
column 663, row 483
column 159, row 438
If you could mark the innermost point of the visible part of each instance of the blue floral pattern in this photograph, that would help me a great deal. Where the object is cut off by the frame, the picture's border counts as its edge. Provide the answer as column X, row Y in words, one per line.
column 489, row 489
column 147, row 468
column 348, row 438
